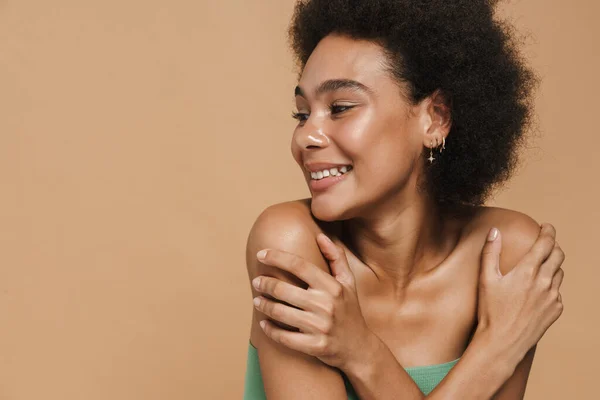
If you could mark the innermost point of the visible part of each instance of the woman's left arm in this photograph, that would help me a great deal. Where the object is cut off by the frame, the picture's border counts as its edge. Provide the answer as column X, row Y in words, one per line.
column 519, row 240
column 519, row 246
column 514, row 387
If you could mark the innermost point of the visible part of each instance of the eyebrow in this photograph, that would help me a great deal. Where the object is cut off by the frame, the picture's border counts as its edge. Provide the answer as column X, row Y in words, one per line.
column 331, row 85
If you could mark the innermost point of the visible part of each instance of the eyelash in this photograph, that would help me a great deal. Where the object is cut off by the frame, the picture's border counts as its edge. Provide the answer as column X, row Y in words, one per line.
column 299, row 116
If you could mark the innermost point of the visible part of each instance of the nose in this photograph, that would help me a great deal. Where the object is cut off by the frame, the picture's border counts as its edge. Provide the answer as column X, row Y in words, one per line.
column 311, row 137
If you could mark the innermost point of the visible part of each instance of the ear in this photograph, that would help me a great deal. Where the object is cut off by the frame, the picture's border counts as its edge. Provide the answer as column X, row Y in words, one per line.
column 438, row 112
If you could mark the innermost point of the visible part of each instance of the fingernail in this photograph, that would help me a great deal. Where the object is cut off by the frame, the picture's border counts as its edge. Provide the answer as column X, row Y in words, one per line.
column 256, row 301
column 262, row 324
column 261, row 254
column 327, row 238
column 492, row 235
column 256, row 282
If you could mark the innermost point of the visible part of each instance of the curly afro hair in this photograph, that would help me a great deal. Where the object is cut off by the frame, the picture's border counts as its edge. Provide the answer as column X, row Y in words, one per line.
column 458, row 47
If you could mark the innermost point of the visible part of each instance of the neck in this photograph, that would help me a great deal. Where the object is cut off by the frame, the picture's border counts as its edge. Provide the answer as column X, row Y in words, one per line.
column 400, row 238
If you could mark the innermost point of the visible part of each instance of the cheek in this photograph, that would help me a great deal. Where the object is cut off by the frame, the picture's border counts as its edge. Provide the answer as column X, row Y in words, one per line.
column 389, row 159
column 357, row 135
column 389, row 163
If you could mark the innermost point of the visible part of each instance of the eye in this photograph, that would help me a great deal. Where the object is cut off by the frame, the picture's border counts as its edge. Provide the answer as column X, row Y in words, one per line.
column 300, row 116
column 336, row 109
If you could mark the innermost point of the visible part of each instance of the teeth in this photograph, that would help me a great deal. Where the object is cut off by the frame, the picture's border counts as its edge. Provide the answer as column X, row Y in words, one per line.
column 330, row 172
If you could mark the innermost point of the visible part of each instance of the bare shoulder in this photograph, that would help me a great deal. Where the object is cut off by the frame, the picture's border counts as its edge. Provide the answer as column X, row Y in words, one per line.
column 288, row 226
column 283, row 223
column 286, row 373
column 514, row 225
column 519, row 232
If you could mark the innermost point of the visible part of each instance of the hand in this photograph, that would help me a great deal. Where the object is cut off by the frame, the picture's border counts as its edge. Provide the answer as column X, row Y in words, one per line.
column 327, row 313
column 520, row 306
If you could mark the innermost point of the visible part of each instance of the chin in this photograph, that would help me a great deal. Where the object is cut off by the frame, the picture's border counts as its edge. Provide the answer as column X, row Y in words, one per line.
column 325, row 208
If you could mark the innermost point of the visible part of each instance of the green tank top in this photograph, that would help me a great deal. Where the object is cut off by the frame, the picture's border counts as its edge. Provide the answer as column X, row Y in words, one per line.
column 426, row 377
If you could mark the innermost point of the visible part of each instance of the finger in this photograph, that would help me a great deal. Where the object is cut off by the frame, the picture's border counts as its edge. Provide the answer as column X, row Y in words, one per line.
column 286, row 314
column 298, row 341
column 553, row 263
column 308, row 272
column 337, row 259
column 490, row 255
column 283, row 291
column 548, row 229
column 541, row 249
column 557, row 280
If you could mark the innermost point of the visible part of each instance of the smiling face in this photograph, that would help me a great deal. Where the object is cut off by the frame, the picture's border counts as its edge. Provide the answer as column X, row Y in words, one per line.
column 352, row 113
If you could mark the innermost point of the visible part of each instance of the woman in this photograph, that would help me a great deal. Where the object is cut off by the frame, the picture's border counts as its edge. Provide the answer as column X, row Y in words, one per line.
column 409, row 114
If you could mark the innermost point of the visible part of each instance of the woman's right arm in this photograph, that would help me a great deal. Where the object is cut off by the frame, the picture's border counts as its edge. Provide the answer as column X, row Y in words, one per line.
column 288, row 374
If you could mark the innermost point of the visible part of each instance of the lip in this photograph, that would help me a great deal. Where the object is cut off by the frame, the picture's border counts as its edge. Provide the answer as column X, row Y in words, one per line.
column 320, row 166
column 325, row 183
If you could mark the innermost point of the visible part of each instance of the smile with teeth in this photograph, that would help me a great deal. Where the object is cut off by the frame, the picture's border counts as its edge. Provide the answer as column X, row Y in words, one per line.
column 330, row 172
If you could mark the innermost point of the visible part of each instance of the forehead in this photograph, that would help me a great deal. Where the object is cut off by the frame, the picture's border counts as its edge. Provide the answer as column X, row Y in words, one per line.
column 339, row 56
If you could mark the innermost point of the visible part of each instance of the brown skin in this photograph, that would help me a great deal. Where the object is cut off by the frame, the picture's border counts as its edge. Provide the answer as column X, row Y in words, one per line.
column 416, row 271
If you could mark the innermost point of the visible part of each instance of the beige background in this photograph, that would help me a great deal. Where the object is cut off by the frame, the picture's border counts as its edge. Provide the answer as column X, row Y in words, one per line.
column 139, row 140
